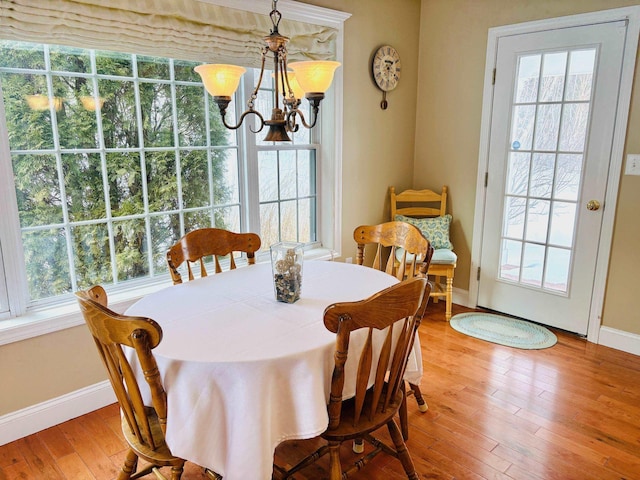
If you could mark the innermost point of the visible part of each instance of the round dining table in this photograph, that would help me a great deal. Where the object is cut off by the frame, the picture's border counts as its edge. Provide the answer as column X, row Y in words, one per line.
column 244, row 372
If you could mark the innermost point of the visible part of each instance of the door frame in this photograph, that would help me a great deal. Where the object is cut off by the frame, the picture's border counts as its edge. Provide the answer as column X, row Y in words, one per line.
column 632, row 16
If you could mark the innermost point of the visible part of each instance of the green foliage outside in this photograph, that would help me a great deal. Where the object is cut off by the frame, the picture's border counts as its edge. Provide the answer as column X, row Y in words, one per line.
column 93, row 189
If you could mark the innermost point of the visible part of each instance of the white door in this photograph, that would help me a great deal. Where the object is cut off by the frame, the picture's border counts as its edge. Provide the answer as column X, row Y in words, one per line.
column 552, row 127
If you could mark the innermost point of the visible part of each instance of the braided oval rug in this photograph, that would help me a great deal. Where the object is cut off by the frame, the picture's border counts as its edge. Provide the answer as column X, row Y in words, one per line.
column 503, row 330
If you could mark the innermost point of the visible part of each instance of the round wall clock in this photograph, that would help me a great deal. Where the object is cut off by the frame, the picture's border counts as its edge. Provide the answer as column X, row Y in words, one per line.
column 386, row 68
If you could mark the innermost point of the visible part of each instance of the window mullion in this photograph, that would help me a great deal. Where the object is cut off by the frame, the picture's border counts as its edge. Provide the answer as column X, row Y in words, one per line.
column 250, row 183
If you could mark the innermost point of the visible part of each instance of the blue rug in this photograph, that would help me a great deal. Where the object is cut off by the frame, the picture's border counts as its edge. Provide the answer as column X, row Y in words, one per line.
column 503, row 330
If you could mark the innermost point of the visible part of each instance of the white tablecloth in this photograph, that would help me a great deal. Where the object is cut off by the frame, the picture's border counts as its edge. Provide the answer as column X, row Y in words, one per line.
column 244, row 372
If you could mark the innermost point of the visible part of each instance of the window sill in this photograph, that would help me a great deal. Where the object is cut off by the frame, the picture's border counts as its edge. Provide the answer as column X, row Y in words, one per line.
column 60, row 317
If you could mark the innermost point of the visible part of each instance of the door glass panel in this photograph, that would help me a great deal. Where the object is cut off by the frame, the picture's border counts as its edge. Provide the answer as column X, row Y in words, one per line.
column 557, row 272
column 510, row 260
column 574, row 127
column 514, row 217
column 563, row 221
column 547, row 126
column 518, row 173
column 551, row 108
column 532, row 263
column 553, row 70
column 568, row 177
column 537, row 220
column 580, row 78
column 528, row 75
column 522, row 129
column 542, row 170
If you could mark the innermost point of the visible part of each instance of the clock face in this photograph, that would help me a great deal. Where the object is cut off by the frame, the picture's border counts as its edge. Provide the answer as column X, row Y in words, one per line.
column 386, row 68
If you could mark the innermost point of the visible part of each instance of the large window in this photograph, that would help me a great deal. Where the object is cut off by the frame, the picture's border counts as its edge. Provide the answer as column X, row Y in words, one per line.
column 116, row 156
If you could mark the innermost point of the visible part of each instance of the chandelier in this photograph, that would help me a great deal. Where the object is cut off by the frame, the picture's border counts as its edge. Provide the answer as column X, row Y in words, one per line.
column 310, row 79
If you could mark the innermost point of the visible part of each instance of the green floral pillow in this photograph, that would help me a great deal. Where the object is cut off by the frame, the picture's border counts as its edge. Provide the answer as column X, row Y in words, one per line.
column 436, row 229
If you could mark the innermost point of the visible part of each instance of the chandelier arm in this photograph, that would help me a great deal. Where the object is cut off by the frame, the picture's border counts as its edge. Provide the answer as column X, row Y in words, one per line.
column 222, row 106
column 315, row 107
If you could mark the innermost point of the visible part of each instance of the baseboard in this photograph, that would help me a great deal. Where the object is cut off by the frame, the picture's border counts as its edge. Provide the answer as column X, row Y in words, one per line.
column 461, row 297
column 38, row 417
column 620, row 340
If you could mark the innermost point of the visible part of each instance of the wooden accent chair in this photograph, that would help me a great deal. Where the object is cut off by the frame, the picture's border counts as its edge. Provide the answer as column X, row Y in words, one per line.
column 426, row 209
column 416, row 254
column 198, row 244
column 399, row 308
column 415, row 247
column 143, row 426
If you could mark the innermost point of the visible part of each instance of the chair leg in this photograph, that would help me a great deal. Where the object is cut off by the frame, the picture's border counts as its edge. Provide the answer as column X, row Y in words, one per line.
column 335, row 468
column 176, row 472
column 401, row 449
column 404, row 420
column 422, row 405
column 449, row 298
column 130, row 465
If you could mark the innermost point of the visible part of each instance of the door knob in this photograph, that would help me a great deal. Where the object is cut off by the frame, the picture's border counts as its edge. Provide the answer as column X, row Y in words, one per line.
column 593, row 205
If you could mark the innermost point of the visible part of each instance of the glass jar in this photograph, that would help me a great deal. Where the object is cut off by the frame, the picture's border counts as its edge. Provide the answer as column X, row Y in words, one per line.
column 286, row 264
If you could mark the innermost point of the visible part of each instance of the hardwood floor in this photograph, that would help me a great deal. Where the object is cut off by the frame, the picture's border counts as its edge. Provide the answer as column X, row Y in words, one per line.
column 567, row 412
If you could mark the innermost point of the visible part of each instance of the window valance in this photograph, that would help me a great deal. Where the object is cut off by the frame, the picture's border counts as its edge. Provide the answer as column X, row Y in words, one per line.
column 182, row 29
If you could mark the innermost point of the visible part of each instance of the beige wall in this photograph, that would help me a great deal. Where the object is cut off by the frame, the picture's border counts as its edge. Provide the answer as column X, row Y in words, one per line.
column 451, row 79
column 378, row 152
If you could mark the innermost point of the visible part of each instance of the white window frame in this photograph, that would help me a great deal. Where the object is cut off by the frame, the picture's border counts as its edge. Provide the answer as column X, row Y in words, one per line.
column 38, row 321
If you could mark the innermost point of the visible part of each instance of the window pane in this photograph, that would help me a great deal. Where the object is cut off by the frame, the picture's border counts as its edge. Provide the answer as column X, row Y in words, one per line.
column 21, row 55
column 83, row 186
column 184, row 71
column 228, row 218
column 92, row 260
column 192, row 129
column 156, row 107
column 46, row 261
column 289, row 221
column 37, row 189
column 153, row 67
column 130, row 240
column 28, row 125
column 306, row 173
column 112, row 63
column 195, row 178
column 162, row 185
column 269, row 221
column 306, row 220
column 226, row 177
column 119, row 125
column 165, row 232
column 70, row 59
column 268, row 176
column 125, row 183
column 288, row 174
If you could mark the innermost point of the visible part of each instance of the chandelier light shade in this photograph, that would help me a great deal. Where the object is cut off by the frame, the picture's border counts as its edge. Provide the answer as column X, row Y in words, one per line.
column 310, row 79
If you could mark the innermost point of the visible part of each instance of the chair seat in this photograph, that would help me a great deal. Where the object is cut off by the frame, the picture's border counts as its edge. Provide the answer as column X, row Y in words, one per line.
column 161, row 455
column 347, row 431
column 443, row 256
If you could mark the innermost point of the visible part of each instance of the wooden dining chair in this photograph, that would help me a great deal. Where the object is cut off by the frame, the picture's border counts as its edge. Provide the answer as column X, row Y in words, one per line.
column 196, row 245
column 399, row 309
column 415, row 259
column 143, row 425
column 427, row 210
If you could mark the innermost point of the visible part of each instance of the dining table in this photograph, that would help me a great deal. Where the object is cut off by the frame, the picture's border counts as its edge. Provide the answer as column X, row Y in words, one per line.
column 244, row 372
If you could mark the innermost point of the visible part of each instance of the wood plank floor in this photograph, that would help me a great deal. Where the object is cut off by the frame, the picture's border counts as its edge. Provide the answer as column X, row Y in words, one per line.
column 568, row 412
